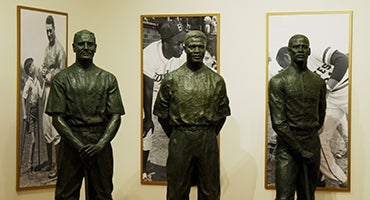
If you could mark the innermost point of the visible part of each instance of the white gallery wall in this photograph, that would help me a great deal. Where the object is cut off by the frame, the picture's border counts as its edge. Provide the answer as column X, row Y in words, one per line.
column 242, row 63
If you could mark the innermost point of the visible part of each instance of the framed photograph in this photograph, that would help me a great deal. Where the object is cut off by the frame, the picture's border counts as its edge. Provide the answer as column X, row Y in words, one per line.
column 42, row 52
column 162, row 52
column 330, row 34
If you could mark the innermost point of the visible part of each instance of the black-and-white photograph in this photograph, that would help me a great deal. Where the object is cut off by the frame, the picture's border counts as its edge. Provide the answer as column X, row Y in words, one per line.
column 162, row 52
column 42, row 52
column 330, row 41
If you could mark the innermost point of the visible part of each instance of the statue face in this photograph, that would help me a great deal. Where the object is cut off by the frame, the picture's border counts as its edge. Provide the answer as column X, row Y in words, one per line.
column 299, row 49
column 195, row 48
column 84, row 46
column 50, row 32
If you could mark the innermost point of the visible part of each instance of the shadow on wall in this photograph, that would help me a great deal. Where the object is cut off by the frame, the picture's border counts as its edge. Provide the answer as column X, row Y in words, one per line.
column 238, row 167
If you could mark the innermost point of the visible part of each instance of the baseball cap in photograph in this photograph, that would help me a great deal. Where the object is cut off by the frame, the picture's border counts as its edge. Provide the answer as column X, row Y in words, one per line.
column 171, row 28
column 282, row 57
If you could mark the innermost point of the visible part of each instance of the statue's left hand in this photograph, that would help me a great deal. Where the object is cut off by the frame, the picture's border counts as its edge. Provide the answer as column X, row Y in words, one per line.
column 90, row 150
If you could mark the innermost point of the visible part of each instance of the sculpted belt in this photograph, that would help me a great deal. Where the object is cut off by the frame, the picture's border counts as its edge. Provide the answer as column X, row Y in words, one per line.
column 194, row 128
column 89, row 133
column 303, row 130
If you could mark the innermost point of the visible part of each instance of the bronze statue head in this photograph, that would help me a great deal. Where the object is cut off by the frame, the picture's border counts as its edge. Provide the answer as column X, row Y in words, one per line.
column 195, row 46
column 84, row 45
column 299, row 49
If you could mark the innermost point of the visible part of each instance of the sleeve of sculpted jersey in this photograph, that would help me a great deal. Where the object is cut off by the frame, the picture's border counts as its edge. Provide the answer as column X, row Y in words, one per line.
column 224, row 109
column 114, row 102
column 161, row 106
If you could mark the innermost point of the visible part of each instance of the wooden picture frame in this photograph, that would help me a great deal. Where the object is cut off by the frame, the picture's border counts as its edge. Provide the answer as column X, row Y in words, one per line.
column 36, row 158
column 324, row 29
column 154, row 142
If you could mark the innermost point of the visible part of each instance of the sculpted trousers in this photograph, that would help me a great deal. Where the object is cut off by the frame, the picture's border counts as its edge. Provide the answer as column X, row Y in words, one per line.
column 193, row 154
column 290, row 173
column 98, row 172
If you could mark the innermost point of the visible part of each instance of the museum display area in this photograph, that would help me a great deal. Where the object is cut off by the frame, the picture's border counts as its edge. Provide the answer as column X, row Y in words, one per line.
column 242, row 61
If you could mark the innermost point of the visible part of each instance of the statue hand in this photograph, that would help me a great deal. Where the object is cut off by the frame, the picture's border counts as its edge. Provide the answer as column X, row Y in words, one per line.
column 90, row 150
column 307, row 156
column 148, row 124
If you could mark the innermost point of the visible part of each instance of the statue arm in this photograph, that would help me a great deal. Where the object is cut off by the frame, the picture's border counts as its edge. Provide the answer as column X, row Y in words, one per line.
column 65, row 130
column 111, row 130
column 224, row 108
column 278, row 116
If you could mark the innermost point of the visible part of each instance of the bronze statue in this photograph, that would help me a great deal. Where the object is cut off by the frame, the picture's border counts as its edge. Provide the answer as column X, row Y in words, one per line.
column 192, row 106
column 297, row 102
column 86, row 108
